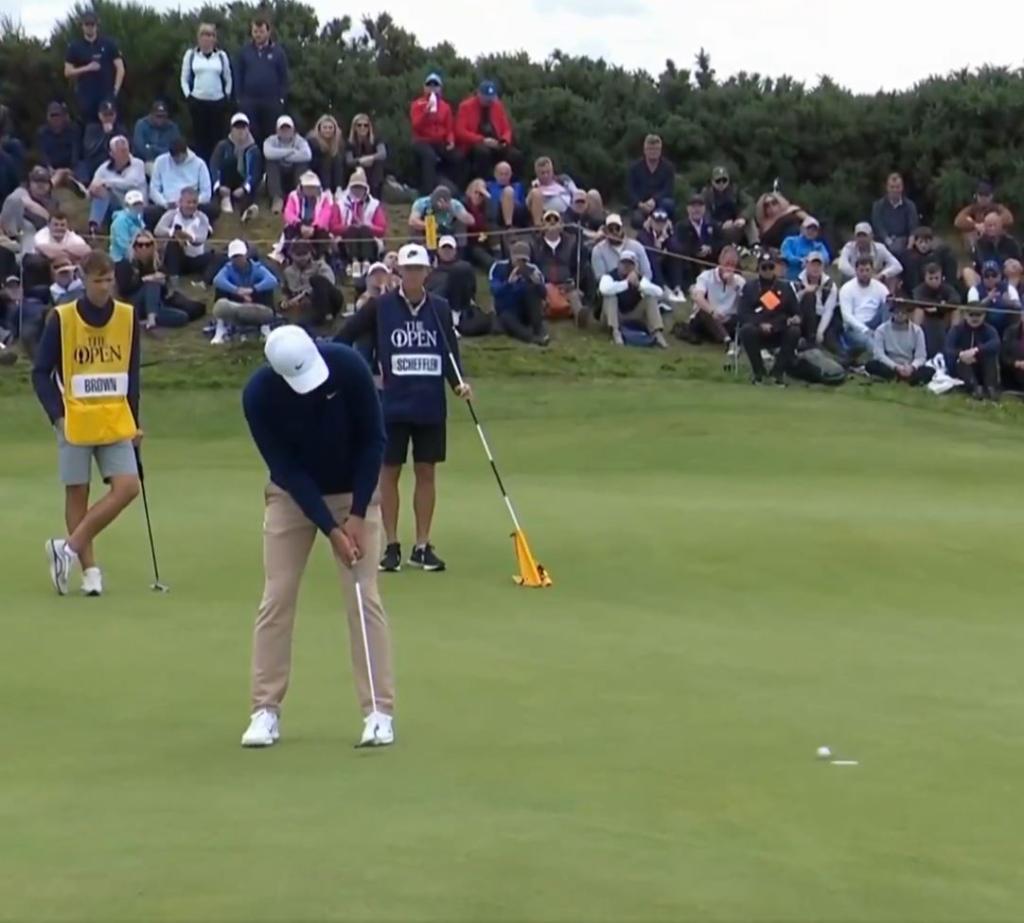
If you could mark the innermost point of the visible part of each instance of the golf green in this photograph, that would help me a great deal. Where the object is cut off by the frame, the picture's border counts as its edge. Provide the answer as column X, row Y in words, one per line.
column 741, row 576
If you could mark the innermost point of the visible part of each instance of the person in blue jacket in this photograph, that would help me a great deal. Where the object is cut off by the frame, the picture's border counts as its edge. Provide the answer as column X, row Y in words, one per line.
column 797, row 247
column 244, row 288
column 519, row 292
column 154, row 134
column 972, row 354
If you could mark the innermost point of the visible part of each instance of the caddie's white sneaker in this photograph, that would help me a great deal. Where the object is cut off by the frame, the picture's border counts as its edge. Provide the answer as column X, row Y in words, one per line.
column 378, row 730
column 263, row 729
column 92, row 581
column 62, row 559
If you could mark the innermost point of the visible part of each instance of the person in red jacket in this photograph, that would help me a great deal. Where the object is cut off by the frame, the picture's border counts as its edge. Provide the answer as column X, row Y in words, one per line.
column 433, row 136
column 483, row 133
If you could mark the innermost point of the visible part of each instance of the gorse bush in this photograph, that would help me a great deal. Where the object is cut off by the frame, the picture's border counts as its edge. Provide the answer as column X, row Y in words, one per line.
column 830, row 149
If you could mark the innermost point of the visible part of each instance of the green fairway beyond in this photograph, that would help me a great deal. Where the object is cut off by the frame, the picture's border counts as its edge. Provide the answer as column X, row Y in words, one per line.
column 741, row 576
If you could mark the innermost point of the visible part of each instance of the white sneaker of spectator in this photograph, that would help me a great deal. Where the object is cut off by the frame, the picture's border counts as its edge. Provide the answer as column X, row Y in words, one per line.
column 250, row 213
column 264, row 332
column 358, row 270
column 220, row 335
column 676, row 294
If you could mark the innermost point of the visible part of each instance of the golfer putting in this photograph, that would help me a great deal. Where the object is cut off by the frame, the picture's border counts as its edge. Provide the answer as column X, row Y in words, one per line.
column 315, row 417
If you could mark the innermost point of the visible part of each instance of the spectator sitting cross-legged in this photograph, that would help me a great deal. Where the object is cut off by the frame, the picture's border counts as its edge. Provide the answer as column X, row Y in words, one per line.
column 994, row 245
column 26, row 211
column 186, row 229
column 699, row 240
column 441, row 211
column 884, row 266
column 59, row 145
column 261, row 79
column 154, row 134
column 483, row 132
column 817, row 298
column 777, row 218
column 126, row 225
column 627, row 296
column 507, row 199
column 556, row 255
column 452, row 278
column 925, row 249
column 141, row 281
column 433, row 136
column 311, row 298
column 178, row 169
column 96, row 141
column 53, row 241
column 769, row 318
column 900, row 353
column 1012, row 356
column 728, row 206
column 651, row 183
column 361, row 223
column 716, row 295
column 245, row 294
column 894, row 217
column 1000, row 299
column 365, row 149
column 287, row 156
column 207, row 84
column 933, row 298
column 970, row 220
column 658, row 238
column 327, row 145
column 114, row 179
column 796, row 248
column 972, row 354
column 236, row 169
column 518, row 289
column 863, row 302
column 548, row 191
column 95, row 65
column 310, row 213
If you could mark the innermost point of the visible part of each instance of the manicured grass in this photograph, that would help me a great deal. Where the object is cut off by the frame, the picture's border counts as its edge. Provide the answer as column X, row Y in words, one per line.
column 741, row 576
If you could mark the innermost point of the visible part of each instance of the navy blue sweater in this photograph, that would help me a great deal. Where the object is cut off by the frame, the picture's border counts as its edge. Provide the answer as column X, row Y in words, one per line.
column 330, row 441
column 261, row 73
column 642, row 184
column 964, row 336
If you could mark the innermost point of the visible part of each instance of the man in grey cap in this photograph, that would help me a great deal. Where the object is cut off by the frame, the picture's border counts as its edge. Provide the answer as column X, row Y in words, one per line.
column 518, row 289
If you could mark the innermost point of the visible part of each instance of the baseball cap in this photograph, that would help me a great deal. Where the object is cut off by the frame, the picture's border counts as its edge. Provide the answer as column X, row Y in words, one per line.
column 237, row 248
column 863, row 227
column 159, row 108
column 239, row 118
column 292, row 353
column 488, row 88
column 815, row 256
column 134, row 197
column 991, row 267
column 766, row 259
column 520, row 250
column 377, row 267
column 550, row 211
column 285, row 121
column 413, row 255
column 695, row 198
column 434, row 77
column 107, row 107
column 659, row 214
column 719, row 173
column 810, row 222
column 613, row 219
column 309, row 178
column 447, row 241
column 628, row 256
column 12, row 280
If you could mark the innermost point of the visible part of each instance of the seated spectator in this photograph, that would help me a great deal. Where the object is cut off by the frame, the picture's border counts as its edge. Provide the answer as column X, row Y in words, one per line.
column 53, row 241
column 126, row 225
column 651, row 184
column 925, row 249
column 555, row 253
column 727, row 206
column 438, row 214
column 716, row 295
column 894, row 217
column 817, row 297
column 507, row 199
column 96, row 141
column 607, row 253
column 972, row 354
column 244, row 289
column 27, row 210
column 899, row 350
column 311, row 298
column 327, row 144
column 548, row 191
column 994, row 245
column 310, row 213
column 970, row 220
column 452, row 278
column 699, row 240
column 1012, row 356
column 186, row 229
column 141, row 282
column 769, row 319
column 658, row 238
column 798, row 247
column 22, row 316
column 59, row 143
column 863, row 302
column 932, row 313
column 67, row 284
column 518, row 289
column 1000, row 300
column 114, row 179
column 1013, row 272
column 366, row 150
column 9, row 250
column 379, row 281
column 236, row 169
column 207, row 84
column 587, row 211
column 361, row 222
column 777, row 219
column 482, row 247
column 483, row 132
column 433, row 136
column 12, row 156
column 627, row 296
column 154, row 134
column 287, row 155
column 174, row 171
column 884, row 266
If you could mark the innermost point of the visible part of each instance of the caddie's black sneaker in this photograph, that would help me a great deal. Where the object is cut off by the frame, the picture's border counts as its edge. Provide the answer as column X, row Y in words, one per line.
column 423, row 556
column 392, row 560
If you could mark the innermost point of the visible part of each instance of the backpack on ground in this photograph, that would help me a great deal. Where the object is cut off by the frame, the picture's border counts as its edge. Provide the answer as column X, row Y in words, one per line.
column 818, row 367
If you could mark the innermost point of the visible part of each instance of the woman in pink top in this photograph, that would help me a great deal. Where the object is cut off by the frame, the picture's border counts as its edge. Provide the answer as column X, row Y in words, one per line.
column 361, row 223
column 310, row 213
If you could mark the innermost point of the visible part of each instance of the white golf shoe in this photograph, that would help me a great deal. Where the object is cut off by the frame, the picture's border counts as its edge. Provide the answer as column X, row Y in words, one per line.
column 61, row 559
column 92, row 581
column 378, row 730
column 263, row 730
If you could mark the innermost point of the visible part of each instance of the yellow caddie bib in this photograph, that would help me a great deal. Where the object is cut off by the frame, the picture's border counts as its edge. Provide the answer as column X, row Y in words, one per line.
column 94, row 376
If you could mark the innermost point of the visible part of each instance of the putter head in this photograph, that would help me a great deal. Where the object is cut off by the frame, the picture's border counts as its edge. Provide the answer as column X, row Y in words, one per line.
column 160, row 588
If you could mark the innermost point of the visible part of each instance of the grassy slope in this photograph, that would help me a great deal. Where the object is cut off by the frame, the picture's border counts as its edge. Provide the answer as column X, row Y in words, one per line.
column 741, row 576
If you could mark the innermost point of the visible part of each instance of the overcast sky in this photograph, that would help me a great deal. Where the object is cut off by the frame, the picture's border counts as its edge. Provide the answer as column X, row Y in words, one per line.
column 866, row 45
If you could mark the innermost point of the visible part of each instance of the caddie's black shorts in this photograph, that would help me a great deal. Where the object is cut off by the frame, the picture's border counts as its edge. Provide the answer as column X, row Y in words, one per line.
column 429, row 442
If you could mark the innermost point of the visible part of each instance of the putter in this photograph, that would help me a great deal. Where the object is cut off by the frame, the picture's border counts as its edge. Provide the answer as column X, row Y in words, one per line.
column 157, row 586
column 366, row 644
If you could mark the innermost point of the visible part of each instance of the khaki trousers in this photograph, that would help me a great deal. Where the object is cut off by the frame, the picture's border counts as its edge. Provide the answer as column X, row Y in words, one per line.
column 647, row 311
column 288, row 537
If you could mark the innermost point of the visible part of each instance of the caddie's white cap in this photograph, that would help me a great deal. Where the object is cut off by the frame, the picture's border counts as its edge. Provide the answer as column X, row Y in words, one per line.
column 237, row 248
column 413, row 255
column 292, row 353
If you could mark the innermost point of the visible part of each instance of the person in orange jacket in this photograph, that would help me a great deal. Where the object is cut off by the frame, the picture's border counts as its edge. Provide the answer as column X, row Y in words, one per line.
column 433, row 136
column 483, row 133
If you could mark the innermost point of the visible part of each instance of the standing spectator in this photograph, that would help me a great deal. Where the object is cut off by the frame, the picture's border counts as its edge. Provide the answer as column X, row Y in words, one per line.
column 518, row 290
column 441, row 210
column 894, row 217
column 174, row 171
column 27, row 209
column 972, row 354
column 114, row 179
column 769, row 319
column 59, row 143
column 287, row 155
column 95, row 65
column 507, row 199
column 236, row 168
column 126, row 225
column 141, row 281
column 244, row 288
column 361, row 223
column 310, row 213
column 817, row 297
column 884, row 265
column 52, row 242
column 328, row 149
column 186, row 229
column 556, row 255
column 607, row 254
column 699, row 240
column 154, row 134
column 716, row 296
column 96, row 141
column 1000, row 299
column 777, row 218
column 549, row 191
column 207, row 85
column 863, row 302
column 970, row 220
column 797, row 248
column 728, row 206
column 932, row 300
column 900, row 353
column 261, row 80
column 311, row 298
column 12, row 156
column 483, row 132
column 993, row 246
column 651, row 183
column 664, row 252
column 924, row 250
column 433, row 136
column 627, row 296
column 1012, row 356
column 365, row 149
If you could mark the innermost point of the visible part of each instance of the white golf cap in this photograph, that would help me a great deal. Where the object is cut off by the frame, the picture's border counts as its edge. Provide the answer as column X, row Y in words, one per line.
column 237, row 248
column 628, row 256
column 863, row 228
column 292, row 353
column 134, row 197
column 285, row 122
column 810, row 222
column 309, row 178
column 239, row 117
column 377, row 267
column 413, row 255
column 613, row 219
column 447, row 241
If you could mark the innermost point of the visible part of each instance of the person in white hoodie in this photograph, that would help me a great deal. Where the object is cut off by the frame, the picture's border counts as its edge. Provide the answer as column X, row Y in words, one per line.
column 627, row 295
column 287, row 155
column 884, row 265
column 863, row 302
column 173, row 172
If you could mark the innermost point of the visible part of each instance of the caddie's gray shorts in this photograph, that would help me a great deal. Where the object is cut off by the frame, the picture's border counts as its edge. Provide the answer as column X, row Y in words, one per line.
column 75, row 461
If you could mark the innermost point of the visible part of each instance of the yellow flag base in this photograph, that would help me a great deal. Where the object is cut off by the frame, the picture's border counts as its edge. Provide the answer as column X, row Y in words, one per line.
column 531, row 574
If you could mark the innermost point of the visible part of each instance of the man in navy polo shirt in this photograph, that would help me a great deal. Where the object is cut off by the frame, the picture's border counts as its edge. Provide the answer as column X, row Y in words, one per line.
column 411, row 333
column 94, row 62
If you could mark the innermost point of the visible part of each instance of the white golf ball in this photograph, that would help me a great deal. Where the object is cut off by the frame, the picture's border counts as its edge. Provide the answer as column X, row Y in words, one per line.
column 824, row 753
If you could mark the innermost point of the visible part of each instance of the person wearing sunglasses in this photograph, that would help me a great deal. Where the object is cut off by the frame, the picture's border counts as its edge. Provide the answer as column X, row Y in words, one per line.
column 728, row 206
column 365, row 149
column 999, row 297
column 769, row 318
column 142, row 282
